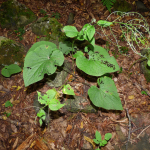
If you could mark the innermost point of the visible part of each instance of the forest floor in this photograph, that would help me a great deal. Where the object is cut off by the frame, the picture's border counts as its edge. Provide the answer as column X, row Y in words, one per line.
column 75, row 130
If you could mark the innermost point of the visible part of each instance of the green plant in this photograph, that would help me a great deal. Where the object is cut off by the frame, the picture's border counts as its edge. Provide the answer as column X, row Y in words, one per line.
column 20, row 32
column 51, row 99
column 7, row 114
column 98, row 63
column 108, row 4
column 7, row 71
column 133, row 30
column 123, row 50
column 144, row 92
column 44, row 57
column 56, row 15
column 98, row 139
column 8, row 103
column 42, row 11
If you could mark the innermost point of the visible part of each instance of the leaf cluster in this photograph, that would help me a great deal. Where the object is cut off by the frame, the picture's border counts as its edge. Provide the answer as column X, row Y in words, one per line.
column 98, row 139
column 108, row 4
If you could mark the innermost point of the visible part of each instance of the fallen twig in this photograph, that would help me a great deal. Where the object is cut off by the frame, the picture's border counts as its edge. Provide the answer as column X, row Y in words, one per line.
column 129, row 132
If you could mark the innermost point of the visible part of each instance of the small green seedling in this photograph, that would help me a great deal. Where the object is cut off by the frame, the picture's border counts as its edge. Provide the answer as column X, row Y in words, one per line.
column 56, row 15
column 20, row 32
column 144, row 92
column 123, row 50
column 98, row 139
column 42, row 11
column 120, row 70
column 7, row 114
column 8, row 103
column 51, row 99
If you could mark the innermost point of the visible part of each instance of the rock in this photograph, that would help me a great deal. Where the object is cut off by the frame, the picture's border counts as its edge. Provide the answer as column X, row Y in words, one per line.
column 141, row 7
column 11, row 52
column 145, row 69
column 122, row 5
column 18, row 15
column 58, row 78
column 74, row 104
column 70, row 19
column 47, row 26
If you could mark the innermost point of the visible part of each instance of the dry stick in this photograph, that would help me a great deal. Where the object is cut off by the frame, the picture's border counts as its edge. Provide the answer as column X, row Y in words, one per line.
column 143, row 131
column 139, row 60
column 142, row 88
column 129, row 132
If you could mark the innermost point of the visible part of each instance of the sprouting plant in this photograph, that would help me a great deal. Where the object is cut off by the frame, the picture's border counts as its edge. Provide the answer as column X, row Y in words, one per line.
column 123, row 50
column 8, row 103
column 51, row 99
column 56, row 15
column 20, row 32
column 44, row 57
column 120, row 70
column 97, row 63
column 108, row 4
column 98, row 139
column 42, row 11
column 144, row 92
column 133, row 27
column 7, row 114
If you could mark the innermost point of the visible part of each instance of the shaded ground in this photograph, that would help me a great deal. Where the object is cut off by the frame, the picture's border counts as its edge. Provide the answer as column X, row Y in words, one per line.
column 74, row 131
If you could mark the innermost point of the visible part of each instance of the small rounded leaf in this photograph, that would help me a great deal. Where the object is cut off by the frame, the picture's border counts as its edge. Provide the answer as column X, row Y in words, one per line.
column 68, row 90
column 7, row 71
column 108, row 136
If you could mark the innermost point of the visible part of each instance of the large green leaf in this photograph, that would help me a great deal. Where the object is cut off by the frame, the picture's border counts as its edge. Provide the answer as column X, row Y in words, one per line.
column 41, row 60
column 7, row 71
column 70, row 31
column 37, row 44
column 106, row 96
column 99, row 62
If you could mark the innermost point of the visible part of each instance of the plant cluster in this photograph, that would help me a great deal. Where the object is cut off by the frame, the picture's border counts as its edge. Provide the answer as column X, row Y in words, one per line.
column 56, row 15
column 44, row 57
column 20, row 32
column 98, row 139
column 108, row 4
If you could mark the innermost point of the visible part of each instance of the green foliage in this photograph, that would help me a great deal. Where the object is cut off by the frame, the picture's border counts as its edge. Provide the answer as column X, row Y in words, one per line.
column 7, row 114
column 106, row 96
column 66, row 47
column 8, row 103
column 144, row 92
column 42, row 11
column 108, row 4
column 133, row 30
column 51, row 99
column 124, row 50
column 56, row 15
column 68, row 90
column 7, row 71
column 20, row 32
column 98, row 139
column 42, row 58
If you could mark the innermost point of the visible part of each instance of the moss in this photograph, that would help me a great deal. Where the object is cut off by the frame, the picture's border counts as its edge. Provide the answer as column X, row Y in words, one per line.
column 55, row 30
column 10, row 13
column 10, row 53
column 122, row 5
